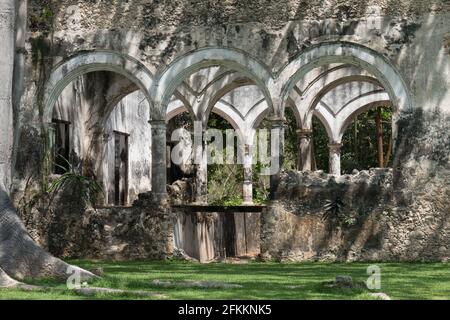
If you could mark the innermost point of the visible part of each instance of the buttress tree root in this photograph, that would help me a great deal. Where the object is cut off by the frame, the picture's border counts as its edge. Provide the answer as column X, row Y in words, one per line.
column 21, row 257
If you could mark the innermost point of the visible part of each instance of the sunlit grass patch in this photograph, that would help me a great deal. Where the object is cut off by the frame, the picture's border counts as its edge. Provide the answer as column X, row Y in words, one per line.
column 249, row 281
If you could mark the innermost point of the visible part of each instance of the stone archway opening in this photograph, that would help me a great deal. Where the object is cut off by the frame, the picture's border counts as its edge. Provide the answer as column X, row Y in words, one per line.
column 326, row 69
column 213, row 91
column 212, row 108
column 99, row 130
column 335, row 94
column 92, row 88
column 367, row 141
column 222, row 69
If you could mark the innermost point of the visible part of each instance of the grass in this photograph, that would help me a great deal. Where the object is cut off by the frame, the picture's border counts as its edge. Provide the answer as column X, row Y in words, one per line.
column 259, row 280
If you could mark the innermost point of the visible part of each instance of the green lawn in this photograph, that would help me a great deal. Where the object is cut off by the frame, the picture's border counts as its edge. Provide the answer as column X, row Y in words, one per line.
column 258, row 280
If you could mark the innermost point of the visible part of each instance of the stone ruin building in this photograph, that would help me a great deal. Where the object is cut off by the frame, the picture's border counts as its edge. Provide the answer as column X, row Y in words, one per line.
column 100, row 81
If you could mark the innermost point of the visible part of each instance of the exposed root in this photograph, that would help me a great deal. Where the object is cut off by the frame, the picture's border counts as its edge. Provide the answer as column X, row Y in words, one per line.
column 8, row 282
column 21, row 257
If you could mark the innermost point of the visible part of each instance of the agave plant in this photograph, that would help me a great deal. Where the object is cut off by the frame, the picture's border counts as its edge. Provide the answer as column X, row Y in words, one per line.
column 88, row 188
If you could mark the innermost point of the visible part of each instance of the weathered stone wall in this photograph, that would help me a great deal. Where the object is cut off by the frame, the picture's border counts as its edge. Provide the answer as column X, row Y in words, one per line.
column 273, row 31
column 413, row 36
column 298, row 225
column 70, row 230
column 400, row 214
column 129, row 116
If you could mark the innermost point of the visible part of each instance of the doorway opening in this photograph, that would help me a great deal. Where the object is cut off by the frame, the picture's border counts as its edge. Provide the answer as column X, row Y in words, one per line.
column 120, row 168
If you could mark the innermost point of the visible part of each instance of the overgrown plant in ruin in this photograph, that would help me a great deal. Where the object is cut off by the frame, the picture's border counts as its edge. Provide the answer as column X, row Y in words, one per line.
column 87, row 188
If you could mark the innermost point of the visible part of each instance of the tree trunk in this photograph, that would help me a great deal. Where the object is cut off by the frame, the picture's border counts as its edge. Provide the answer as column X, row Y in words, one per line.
column 6, row 281
column 20, row 256
column 355, row 137
column 380, row 142
column 7, row 49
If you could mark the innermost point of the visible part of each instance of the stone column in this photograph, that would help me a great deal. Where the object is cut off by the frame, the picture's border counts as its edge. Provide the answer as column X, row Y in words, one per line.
column 335, row 158
column 304, row 149
column 7, row 50
column 200, row 166
column 159, row 163
column 248, row 175
column 276, row 153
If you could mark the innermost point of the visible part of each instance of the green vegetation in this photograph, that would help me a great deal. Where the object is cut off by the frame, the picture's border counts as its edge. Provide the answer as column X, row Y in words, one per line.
column 87, row 188
column 359, row 151
column 359, row 148
column 258, row 280
column 359, row 143
column 225, row 180
column 41, row 18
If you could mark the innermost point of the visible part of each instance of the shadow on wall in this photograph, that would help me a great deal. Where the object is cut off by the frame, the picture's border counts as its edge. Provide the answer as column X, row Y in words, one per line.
column 303, row 229
column 69, row 229
column 399, row 215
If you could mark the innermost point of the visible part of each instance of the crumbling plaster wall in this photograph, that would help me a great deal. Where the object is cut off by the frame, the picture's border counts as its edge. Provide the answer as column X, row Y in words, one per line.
column 272, row 31
column 144, row 231
column 79, row 104
column 299, row 227
column 414, row 37
column 130, row 117
column 412, row 33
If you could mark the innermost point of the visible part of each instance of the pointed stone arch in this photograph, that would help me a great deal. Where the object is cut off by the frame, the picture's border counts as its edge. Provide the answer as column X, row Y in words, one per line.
column 348, row 53
column 171, row 77
column 90, row 61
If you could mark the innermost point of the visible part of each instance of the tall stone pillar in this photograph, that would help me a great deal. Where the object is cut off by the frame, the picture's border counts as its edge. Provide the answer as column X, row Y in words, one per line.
column 200, row 166
column 276, row 153
column 248, row 175
column 304, row 150
column 335, row 158
column 7, row 49
column 159, row 162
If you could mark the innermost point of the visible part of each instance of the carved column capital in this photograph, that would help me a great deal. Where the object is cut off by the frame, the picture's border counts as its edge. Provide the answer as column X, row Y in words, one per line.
column 335, row 146
column 158, row 124
column 276, row 121
column 304, row 133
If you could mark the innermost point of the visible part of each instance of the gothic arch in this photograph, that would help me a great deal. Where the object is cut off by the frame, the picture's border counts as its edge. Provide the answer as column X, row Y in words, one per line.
column 305, row 102
column 312, row 101
column 237, row 60
column 359, row 106
column 220, row 89
column 348, row 53
column 336, row 125
column 90, row 61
